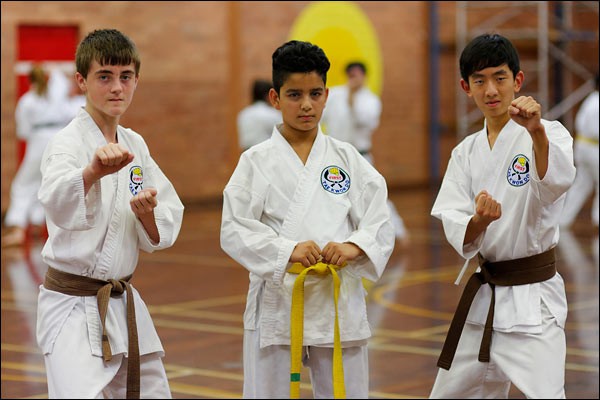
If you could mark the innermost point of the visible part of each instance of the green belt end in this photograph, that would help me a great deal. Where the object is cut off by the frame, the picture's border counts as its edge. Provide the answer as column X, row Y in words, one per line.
column 295, row 377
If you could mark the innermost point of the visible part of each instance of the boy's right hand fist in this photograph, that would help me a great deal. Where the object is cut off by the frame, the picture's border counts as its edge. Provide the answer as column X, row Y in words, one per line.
column 109, row 159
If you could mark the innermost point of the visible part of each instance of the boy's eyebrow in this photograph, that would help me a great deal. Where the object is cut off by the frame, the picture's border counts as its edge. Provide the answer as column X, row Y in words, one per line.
column 291, row 90
column 104, row 71
column 499, row 72
column 107, row 71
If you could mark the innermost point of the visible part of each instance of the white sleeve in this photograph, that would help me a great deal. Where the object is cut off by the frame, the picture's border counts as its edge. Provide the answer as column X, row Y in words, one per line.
column 561, row 169
column 375, row 230
column 168, row 214
column 244, row 237
column 62, row 193
column 23, row 118
column 454, row 206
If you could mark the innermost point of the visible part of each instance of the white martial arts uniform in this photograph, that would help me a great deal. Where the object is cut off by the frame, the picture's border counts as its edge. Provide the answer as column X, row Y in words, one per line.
column 272, row 202
column 98, row 236
column 586, row 159
column 356, row 125
column 255, row 123
column 37, row 119
column 528, row 226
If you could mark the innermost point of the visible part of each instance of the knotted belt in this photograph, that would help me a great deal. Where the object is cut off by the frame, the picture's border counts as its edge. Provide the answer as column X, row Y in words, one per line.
column 297, row 328
column 77, row 285
column 521, row 271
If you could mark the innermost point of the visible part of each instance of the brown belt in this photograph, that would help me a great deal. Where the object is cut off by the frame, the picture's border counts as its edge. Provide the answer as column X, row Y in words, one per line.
column 77, row 285
column 521, row 271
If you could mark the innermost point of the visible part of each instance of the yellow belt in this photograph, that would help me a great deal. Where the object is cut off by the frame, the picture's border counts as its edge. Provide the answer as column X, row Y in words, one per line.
column 297, row 328
column 586, row 139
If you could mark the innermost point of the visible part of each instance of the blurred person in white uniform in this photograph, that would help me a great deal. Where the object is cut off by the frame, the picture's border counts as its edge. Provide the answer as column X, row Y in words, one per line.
column 352, row 114
column 41, row 112
column 255, row 122
column 586, row 161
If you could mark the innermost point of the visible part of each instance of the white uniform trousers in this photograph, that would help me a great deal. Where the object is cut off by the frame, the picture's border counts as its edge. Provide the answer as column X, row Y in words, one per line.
column 74, row 373
column 534, row 363
column 267, row 370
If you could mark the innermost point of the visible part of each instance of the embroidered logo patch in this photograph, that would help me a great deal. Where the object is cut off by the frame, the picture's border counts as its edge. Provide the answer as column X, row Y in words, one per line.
column 335, row 180
column 136, row 179
column 518, row 171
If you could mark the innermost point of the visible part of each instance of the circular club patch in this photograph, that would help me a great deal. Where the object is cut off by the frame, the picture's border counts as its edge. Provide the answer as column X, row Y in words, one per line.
column 136, row 179
column 518, row 171
column 335, row 180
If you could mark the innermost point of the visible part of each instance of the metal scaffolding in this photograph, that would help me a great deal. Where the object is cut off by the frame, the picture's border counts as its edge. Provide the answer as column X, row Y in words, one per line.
column 550, row 29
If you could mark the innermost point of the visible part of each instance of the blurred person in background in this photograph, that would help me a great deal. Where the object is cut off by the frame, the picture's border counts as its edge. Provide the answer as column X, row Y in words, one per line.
column 586, row 161
column 255, row 122
column 352, row 114
column 40, row 113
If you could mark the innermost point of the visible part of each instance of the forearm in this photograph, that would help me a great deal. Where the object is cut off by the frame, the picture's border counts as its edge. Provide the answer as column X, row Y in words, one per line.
column 474, row 229
column 149, row 224
column 89, row 178
column 540, row 149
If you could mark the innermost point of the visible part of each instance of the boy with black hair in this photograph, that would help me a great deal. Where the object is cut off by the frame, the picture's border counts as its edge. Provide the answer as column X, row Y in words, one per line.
column 297, row 203
column 501, row 199
column 105, row 199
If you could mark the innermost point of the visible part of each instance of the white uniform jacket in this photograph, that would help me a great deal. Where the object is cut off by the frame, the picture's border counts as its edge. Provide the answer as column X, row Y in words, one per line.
column 530, row 213
column 255, row 123
column 98, row 235
column 273, row 201
column 354, row 124
column 586, row 121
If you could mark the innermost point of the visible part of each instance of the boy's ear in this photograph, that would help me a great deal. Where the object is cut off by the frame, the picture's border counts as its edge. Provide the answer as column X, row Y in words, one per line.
column 519, row 78
column 274, row 98
column 81, row 82
column 465, row 87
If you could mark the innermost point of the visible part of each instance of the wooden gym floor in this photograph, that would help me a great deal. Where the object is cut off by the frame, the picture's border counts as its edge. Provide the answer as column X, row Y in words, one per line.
column 196, row 295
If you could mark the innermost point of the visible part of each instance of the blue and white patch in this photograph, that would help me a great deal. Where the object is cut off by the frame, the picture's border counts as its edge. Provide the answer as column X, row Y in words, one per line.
column 518, row 171
column 136, row 179
column 335, row 180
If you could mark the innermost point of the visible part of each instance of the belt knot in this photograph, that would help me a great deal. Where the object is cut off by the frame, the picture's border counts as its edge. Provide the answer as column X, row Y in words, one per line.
column 485, row 276
column 118, row 287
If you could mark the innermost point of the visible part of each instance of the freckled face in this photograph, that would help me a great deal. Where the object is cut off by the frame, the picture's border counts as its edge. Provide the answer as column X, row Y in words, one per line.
column 301, row 101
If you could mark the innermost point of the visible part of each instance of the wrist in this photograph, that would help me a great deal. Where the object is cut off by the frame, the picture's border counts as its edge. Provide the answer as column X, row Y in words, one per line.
column 90, row 176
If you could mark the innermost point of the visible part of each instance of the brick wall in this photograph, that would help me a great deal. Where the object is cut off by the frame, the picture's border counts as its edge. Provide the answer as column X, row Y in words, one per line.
column 198, row 59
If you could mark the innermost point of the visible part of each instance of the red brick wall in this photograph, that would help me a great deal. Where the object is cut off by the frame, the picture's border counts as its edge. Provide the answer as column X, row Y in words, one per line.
column 198, row 59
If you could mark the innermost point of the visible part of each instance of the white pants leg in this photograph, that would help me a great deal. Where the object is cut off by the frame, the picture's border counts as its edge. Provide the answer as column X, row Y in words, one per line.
column 534, row 363
column 267, row 370
column 74, row 373
column 356, row 371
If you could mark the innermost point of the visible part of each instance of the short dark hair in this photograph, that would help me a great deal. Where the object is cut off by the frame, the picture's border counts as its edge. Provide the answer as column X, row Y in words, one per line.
column 357, row 64
column 107, row 47
column 260, row 90
column 488, row 50
column 296, row 56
